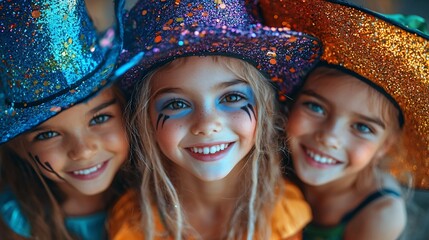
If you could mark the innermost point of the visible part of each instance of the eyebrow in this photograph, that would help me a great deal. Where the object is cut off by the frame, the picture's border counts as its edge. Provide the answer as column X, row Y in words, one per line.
column 231, row 83
column 92, row 112
column 103, row 105
column 373, row 120
column 366, row 118
column 314, row 94
column 218, row 86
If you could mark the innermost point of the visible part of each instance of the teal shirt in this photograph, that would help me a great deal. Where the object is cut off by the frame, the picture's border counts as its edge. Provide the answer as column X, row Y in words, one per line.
column 90, row 227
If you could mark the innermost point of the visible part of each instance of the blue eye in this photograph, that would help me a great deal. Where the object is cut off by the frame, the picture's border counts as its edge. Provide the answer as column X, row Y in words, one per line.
column 99, row 119
column 176, row 105
column 232, row 97
column 362, row 128
column 314, row 107
column 46, row 135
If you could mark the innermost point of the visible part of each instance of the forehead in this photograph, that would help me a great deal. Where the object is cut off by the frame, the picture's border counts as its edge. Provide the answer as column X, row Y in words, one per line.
column 198, row 72
column 336, row 82
column 346, row 91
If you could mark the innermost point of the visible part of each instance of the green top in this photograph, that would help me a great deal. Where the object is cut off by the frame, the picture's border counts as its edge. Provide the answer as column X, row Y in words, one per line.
column 316, row 232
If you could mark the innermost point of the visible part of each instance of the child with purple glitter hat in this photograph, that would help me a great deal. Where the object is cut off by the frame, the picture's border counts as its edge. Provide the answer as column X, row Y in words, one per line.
column 204, row 122
column 64, row 147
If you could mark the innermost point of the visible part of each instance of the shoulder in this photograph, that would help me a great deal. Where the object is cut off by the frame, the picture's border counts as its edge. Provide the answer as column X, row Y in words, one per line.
column 384, row 218
column 124, row 217
column 124, row 214
column 12, row 215
column 291, row 212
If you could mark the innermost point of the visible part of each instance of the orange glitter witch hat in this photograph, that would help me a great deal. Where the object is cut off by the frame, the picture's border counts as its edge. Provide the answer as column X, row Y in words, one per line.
column 387, row 54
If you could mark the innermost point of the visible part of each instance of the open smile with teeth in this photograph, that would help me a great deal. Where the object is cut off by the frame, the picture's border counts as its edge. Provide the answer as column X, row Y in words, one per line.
column 209, row 149
column 319, row 158
column 88, row 170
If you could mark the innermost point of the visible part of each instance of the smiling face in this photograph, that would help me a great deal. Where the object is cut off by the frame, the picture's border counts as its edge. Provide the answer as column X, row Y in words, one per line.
column 82, row 148
column 337, row 127
column 204, row 117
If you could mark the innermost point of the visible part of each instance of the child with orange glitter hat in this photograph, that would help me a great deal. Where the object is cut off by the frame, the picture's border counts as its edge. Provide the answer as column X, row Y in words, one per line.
column 362, row 111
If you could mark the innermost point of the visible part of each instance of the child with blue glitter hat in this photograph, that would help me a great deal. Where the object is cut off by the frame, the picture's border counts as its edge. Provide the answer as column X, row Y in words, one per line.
column 358, row 128
column 64, row 153
column 204, row 123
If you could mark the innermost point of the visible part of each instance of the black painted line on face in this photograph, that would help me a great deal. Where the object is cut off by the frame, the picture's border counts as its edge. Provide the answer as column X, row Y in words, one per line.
column 246, row 109
column 45, row 166
column 163, row 117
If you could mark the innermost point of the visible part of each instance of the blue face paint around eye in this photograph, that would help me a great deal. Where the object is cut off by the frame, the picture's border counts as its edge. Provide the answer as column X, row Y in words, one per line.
column 164, row 106
column 245, row 102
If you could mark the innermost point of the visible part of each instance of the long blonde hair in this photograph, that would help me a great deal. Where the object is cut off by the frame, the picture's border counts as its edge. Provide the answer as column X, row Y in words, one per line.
column 261, row 172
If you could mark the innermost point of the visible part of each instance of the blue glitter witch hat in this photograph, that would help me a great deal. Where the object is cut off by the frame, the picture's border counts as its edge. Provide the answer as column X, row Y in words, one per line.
column 168, row 29
column 51, row 59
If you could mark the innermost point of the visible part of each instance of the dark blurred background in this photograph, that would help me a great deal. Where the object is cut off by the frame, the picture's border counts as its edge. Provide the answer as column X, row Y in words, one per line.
column 413, row 7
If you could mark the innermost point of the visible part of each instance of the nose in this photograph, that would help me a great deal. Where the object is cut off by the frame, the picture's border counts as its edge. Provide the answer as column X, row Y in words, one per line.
column 206, row 123
column 82, row 147
column 330, row 135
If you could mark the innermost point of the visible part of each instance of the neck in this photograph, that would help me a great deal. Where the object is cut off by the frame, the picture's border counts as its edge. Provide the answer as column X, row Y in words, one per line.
column 329, row 202
column 209, row 205
column 77, row 204
column 209, row 193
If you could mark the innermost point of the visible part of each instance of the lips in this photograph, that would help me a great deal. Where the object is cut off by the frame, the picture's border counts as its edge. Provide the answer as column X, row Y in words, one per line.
column 89, row 173
column 210, row 149
column 210, row 153
column 318, row 159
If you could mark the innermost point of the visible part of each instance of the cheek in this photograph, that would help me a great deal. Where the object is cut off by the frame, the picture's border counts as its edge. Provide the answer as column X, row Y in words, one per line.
column 170, row 135
column 297, row 124
column 242, row 124
column 117, row 139
column 54, row 156
column 363, row 153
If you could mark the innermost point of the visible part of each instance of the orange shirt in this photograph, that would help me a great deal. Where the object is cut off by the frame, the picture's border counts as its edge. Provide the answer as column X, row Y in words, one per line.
column 291, row 214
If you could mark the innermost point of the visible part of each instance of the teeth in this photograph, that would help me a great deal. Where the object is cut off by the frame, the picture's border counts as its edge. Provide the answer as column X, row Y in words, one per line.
column 88, row 170
column 321, row 159
column 210, row 150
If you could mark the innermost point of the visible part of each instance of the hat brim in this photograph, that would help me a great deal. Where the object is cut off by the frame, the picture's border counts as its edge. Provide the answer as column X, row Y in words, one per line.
column 278, row 53
column 388, row 54
column 17, row 120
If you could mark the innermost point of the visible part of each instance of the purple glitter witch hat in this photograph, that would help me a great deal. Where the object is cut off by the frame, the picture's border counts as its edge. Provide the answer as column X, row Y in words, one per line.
column 51, row 59
column 168, row 29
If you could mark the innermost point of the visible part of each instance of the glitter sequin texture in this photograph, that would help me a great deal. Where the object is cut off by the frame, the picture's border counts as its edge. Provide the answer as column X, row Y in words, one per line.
column 167, row 29
column 392, row 57
column 50, row 60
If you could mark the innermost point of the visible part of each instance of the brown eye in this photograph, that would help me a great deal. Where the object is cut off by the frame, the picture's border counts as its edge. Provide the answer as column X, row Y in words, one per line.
column 232, row 98
column 175, row 105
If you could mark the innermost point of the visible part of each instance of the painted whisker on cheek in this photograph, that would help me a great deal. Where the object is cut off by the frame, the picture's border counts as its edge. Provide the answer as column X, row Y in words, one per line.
column 45, row 166
column 246, row 109
column 160, row 116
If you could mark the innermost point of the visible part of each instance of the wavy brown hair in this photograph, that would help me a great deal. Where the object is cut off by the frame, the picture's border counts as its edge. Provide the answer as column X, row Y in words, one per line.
column 40, row 199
